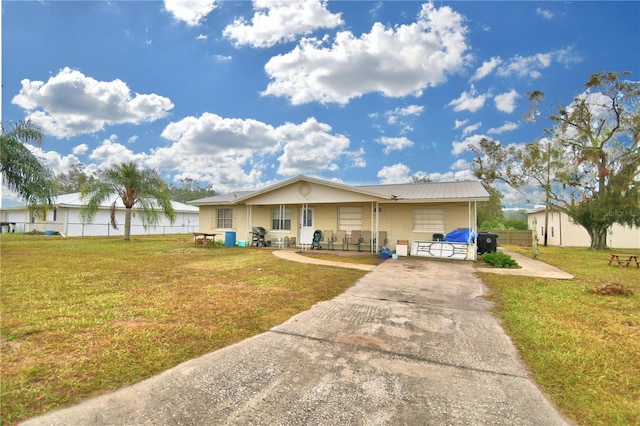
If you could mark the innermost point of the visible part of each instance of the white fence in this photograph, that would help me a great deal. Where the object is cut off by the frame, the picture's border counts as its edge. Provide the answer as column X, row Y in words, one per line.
column 74, row 229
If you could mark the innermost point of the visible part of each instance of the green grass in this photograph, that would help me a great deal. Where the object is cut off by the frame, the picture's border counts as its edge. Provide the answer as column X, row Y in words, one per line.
column 84, row 316
column 582, row 348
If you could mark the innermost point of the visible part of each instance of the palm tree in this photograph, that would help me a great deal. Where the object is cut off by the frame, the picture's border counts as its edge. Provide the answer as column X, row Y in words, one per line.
column 22, row 171
column 135, row 187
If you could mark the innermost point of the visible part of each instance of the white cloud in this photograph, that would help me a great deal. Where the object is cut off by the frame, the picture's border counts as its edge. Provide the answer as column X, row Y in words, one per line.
column 460, row 123
column 531, row 66
column 277, row 21
column 398, row 113
column 460, row 147
column 452, row 176
column 472, row 128
column 394, row 144
column 54, row 161
column 191, row 12
column 80, row 149
column 202, row 37
column 506, row 102
column 231, row 153
column 486, row 68
column 111, row 152
column 461, row 164
column 70, row 104
column 395, row 62
column 506, row 127
column 468, row 101
column 309, row 147
column 212, row 135
column 222, row 58
column 545, row 13
column 398, row 173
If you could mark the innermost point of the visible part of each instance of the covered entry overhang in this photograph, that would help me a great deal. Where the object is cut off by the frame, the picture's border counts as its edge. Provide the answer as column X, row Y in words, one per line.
column 297, row 205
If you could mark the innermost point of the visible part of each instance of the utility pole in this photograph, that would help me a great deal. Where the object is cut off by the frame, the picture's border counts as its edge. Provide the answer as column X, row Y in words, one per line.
column 547, row 190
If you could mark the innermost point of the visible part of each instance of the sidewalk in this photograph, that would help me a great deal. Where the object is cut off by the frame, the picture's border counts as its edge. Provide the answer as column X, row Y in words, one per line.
column 293, row 255
column 529, row 268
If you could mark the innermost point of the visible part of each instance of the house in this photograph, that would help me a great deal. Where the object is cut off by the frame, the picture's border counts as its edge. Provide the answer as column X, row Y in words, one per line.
column 562, row 231
column 377, row 215
column 64, row 217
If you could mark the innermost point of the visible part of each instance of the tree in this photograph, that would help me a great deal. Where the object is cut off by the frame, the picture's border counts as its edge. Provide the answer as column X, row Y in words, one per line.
column 189, row 190
column 135, row 187
column 601, row 132
column 490, row 212
column 22, row 171
column 420, row 178
column 73, row 180
column 589, row 163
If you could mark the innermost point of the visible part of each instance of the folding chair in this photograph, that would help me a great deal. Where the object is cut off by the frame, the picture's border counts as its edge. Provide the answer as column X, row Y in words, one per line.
column 382, row 239
column 341, row 238
column 354, row 239
column 365, row 240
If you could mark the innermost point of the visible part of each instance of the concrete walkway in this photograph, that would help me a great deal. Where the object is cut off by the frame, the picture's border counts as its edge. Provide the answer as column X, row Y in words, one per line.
column 411, row 343
column 529, row 268
column 293, row 255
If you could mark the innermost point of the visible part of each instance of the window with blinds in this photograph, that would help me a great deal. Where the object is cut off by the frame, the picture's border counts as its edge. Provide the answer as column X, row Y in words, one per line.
column 281, row 218
column 428, row 220
column 224, row 218
column 350, row 218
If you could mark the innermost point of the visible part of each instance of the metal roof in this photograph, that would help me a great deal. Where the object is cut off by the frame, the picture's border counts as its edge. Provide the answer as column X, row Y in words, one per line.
column 405, row 192
column 229, row 198
column 430, row 191
column 74, row 200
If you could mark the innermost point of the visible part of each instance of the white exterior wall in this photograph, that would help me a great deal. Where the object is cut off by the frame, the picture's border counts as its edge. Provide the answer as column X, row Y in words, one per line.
column 68, row 221
column 563, row 232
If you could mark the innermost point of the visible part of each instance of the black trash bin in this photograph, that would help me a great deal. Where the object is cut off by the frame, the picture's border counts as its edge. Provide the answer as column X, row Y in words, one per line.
column 487, row 242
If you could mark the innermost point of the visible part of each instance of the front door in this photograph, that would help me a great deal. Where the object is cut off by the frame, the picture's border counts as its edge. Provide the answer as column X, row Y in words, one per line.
column 306, row 225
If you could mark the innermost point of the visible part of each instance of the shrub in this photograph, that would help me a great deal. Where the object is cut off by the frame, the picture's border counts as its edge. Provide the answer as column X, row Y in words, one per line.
column 499, row 260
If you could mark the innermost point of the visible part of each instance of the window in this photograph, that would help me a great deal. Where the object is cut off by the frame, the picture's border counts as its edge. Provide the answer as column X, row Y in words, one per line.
column 428, row 220
column 350, row 218
column 55, row 215
column 281, row 218
column 225, row 218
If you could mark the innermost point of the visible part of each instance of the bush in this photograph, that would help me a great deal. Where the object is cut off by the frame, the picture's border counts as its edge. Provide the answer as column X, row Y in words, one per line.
column 499, row 260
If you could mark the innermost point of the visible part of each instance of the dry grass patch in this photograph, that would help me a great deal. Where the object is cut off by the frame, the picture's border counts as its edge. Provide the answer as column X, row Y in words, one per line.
column 85, row 316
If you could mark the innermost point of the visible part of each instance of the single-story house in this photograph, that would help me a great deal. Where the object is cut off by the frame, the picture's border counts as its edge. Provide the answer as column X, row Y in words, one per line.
column 562, row 231
column 64, row 217
column 394, row 216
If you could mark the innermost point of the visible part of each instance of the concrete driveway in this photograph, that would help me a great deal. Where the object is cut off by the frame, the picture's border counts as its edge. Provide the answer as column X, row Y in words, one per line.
column 411, row 343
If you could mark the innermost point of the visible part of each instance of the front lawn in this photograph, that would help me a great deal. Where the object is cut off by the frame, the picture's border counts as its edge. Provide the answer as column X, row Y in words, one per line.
column 82, row 316
column 583, row 348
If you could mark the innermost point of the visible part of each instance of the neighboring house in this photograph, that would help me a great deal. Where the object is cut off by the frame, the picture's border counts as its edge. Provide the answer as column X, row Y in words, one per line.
column 294, row 209
column 64, row 217
column 562, row 231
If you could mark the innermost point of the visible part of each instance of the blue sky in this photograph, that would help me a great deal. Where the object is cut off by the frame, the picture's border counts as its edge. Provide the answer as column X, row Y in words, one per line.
column 240, row 94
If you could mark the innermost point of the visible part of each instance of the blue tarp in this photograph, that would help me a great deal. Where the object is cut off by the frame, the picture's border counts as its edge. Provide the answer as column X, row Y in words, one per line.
column 460, row 236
